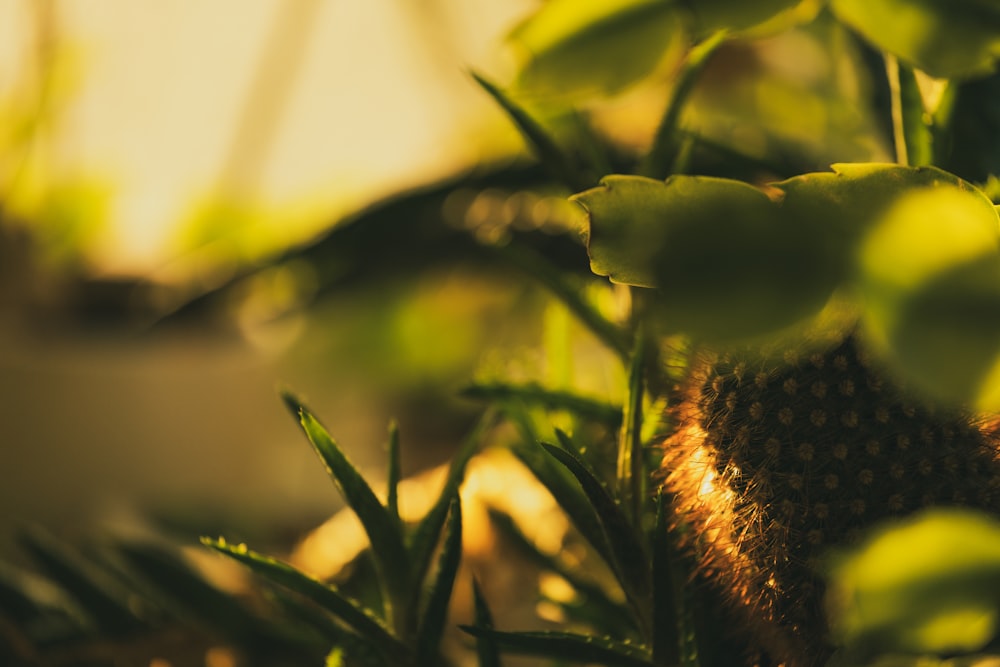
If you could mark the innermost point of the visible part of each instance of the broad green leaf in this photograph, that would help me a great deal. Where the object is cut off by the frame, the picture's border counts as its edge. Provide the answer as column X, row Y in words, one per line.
column 930, row 584
column 930, row 275
column 486, row 648
column 728, row 262
column 566, row 646
column 534, row 394
column 628, row 556
column 435, row 613
column 365, row 622
column 945, row 38
column 580, row 48
column 382, row 530
column 103, row 598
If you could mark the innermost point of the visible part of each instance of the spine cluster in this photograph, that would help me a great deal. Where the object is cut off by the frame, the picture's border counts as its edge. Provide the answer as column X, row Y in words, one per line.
column 776, row 458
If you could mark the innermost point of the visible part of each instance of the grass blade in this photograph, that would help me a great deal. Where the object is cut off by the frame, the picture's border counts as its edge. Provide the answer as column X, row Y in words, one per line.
column 628, row 556
column 436, row 611
column 631, row 466
column 365, row 622
column 534, row 394
column 383, row 533
column 486, row 648
column 564, row 646
column 539, row 141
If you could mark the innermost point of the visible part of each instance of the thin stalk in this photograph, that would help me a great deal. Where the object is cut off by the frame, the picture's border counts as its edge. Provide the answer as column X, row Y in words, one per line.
column 631, row 462
column 912, row 135
column 661, row 155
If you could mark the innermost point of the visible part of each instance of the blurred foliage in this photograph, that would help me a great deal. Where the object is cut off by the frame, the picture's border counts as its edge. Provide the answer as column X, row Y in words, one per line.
column 746, row 239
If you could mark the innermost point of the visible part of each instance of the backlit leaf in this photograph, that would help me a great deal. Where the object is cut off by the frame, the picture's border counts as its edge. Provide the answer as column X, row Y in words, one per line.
column 945, row 38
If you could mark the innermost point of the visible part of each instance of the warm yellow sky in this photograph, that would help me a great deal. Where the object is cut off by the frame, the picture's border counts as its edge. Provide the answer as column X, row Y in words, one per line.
column 348, row 100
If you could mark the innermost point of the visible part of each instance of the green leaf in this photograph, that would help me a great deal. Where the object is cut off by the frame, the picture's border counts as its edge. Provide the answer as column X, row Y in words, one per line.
column 930, row 275
column 719, row 249
column 435, row 613
column 383, row 533
column 629, row 559
column 102, row 597
column 534, row 394
column 929, row 584
column 581, row 48
column 486, row 648
column 566, row 646
column 365, row 622
column 945, row 38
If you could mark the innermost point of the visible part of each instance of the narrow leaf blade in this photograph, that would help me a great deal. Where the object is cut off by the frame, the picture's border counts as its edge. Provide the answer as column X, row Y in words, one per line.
column 382, row 531
column 365, row 622
column 567, row 646
column 436, row 611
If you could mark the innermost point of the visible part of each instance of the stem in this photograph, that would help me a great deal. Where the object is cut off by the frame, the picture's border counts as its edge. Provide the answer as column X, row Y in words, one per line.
column 631, row 462
column 896, row 105
column 911, row 134
column 661, row 155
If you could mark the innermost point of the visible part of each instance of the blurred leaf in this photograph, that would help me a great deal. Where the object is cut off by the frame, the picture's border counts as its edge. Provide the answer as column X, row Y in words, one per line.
column 486, row 648
column 103, row 598
column 365, row 622
column 945, row 38
column 533, row 394
column 566, row 646
column 541, row 142
column 930, row 275
column 930, row 584
column 718, row 248
column 382, row 531
column 628, row 556
column 581, row 48
column 435, row 613
column 184, row 591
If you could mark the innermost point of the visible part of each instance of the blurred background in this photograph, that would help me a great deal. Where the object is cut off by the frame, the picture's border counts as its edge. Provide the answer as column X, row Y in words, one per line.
column 153, row 152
